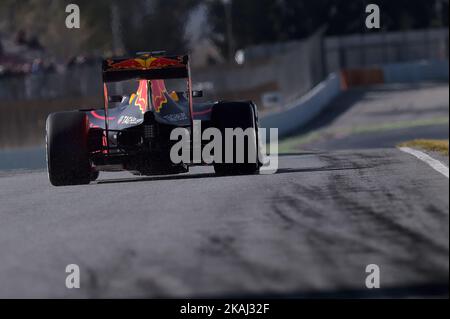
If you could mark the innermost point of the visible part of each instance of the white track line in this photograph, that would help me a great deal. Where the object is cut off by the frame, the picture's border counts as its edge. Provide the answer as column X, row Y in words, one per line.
column 435, row 164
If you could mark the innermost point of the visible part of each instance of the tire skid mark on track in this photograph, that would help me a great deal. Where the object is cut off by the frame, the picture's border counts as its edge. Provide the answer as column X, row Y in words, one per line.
column 393, row 221
column 301, row 208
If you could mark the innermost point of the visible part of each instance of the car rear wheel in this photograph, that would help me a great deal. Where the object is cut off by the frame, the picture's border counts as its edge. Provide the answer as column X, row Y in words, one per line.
column 95, row 175
column 68, row 160
column 234, row 116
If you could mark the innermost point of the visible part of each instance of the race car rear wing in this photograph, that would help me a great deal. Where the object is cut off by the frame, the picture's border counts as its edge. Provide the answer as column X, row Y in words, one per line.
column 146, row 67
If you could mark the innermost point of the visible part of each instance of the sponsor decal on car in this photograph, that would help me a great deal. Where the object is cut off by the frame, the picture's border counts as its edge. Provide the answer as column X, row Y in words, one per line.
column 129, row 120
column 145, row 63
column 176, row 117
column 142, row 96
column 158, row 94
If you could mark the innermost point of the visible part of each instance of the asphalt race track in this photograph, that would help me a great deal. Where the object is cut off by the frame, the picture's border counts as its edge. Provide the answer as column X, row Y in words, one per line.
column 308, row 231
column 313, row 227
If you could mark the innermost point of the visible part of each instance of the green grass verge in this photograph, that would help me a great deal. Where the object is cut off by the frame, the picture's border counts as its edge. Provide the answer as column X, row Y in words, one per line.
column 440, row 146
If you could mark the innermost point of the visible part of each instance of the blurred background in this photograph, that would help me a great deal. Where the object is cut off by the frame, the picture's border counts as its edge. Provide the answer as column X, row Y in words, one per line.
column 271, row 51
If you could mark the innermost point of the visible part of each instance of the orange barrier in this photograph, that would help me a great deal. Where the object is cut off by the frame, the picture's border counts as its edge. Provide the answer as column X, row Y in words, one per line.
column 361, row 77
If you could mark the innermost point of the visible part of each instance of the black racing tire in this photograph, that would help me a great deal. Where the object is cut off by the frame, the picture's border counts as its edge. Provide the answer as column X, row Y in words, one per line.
column 236, row 115
column 95, row 175
column 68, row 160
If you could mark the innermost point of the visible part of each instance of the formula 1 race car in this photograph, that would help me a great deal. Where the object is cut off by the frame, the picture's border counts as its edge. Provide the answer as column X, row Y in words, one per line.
column 133, row 132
